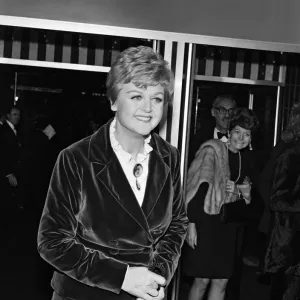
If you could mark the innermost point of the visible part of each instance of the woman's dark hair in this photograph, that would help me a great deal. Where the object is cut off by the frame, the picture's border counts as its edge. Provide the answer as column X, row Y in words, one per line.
column 245, row 118
column 292, row 131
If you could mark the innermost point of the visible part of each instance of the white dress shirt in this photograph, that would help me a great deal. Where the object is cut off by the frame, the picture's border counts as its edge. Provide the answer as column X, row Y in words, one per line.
column 128, row 163
column 223, row 139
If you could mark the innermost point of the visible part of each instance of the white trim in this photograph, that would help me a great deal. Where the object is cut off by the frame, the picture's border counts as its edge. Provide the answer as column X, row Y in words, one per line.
column 186, row 111
column 276, row 116
column 237, row 80
column 177, row 94
column 282, row 73
column 163, row 123
column 50, row 64
column 146, row 34
column 250, row 105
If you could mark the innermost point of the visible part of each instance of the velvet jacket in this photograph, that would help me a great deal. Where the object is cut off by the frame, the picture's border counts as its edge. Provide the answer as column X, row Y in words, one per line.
column 283, row 252
column 92, row 226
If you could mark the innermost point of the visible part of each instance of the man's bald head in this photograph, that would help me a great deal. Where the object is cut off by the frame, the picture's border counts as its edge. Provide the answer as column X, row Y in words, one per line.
column 220, row 100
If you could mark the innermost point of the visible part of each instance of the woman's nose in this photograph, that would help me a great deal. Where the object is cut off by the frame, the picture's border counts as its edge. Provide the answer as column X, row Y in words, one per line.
column 147, row 105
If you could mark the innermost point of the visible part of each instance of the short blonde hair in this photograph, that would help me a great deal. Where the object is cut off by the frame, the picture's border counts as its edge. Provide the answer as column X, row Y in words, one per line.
column 141, row 66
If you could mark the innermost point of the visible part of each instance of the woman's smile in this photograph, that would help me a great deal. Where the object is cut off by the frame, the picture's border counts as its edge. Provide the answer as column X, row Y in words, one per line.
column 143, row 118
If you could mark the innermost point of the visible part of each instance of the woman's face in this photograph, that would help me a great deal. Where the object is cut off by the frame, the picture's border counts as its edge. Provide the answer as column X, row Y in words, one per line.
column 239, row 138
column 138, row 110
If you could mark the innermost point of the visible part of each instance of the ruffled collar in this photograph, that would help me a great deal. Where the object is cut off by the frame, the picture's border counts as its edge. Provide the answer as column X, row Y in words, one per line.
column 127, row 156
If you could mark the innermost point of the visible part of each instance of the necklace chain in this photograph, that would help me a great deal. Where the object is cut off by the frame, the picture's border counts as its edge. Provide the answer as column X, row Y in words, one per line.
column 240, row 164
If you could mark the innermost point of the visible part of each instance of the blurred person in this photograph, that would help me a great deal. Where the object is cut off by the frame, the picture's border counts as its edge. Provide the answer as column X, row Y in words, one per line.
column 10, row 145
column 11, row 170
column 264, row 188
column 283, row 252
column 93, row 126
column 114, row 219
column 2, row 119
column 39, row 164
column 220, row 173
column 42, row 156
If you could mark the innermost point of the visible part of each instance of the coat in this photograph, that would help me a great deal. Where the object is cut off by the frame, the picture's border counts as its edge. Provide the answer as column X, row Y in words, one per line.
column 92, row 226
column 210, row 165
column 283, row 251
column 265, row 183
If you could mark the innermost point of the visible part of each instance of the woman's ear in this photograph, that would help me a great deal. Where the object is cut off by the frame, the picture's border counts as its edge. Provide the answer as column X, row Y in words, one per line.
column 113, row 105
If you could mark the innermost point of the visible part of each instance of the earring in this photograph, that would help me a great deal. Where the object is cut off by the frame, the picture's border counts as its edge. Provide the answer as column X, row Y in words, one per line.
column 250, row 147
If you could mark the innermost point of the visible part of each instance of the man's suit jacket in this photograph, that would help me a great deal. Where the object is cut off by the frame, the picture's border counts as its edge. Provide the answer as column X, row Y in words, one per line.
column 92, row 226
column 10, row 151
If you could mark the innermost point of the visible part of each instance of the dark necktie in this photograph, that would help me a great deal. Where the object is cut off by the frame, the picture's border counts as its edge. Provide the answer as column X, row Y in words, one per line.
column 220, row 135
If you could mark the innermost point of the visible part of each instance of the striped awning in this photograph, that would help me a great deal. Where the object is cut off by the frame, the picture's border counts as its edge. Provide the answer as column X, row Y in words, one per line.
column 62, row 47
column 240, row 63
column 100, row 50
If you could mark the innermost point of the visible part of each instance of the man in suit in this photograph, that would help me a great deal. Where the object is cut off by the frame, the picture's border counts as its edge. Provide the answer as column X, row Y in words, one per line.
column 222, row 108
column 10, row 162
column 10, row 146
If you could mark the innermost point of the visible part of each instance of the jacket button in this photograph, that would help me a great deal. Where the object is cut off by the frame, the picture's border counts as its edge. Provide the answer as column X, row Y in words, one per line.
column 114, row 251
column 157, row 231
column 113, row 243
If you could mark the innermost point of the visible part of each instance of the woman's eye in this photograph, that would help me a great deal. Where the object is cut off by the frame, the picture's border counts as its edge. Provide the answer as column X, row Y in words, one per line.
column 136, row 97
column 157, row 100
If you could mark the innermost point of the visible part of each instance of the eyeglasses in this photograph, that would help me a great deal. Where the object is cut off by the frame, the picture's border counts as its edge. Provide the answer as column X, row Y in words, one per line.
column 137, row 172
column 223, row 111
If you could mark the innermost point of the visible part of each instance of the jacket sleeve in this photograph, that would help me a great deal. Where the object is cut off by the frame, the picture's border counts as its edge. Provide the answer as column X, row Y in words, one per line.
column 285, row 188
column 57, row 241
column 168, row 249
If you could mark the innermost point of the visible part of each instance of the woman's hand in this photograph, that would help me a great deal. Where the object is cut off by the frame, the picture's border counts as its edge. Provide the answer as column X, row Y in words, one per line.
column 191, row 237
column 245, row 189
column 231, row 187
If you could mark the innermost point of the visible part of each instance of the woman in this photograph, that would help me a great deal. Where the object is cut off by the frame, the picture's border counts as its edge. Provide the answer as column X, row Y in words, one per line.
column 220, row 173
column 283, row 253
column 114, row 220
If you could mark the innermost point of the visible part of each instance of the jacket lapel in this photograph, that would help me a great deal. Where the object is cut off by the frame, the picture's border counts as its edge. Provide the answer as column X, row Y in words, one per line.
column 110, row 173
column 157, row 176
column 114, row 179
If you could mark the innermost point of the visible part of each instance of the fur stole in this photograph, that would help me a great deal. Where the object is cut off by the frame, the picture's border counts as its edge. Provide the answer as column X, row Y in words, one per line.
column 210, row 165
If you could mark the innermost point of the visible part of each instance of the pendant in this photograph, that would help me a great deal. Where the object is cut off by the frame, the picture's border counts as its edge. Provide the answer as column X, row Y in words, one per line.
column 138, row 185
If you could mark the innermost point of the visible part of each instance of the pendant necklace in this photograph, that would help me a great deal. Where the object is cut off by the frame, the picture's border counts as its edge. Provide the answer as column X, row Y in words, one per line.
column 240, row 164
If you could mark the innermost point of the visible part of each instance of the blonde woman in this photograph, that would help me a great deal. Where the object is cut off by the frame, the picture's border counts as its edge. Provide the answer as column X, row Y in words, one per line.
column 114, row 219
